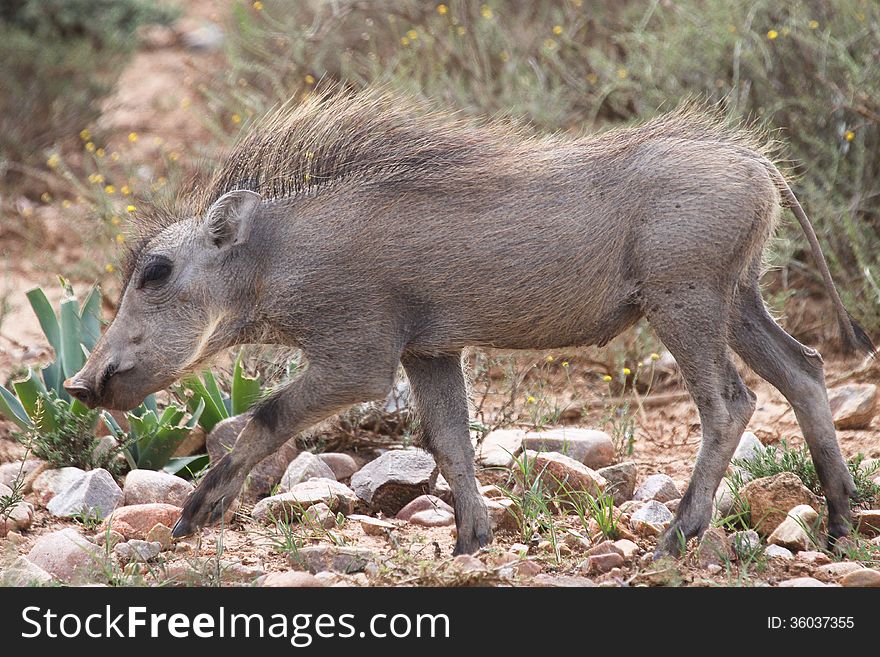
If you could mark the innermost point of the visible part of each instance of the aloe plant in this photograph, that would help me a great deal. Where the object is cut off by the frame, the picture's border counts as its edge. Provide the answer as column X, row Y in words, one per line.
column 153, row 438
column 205, row 393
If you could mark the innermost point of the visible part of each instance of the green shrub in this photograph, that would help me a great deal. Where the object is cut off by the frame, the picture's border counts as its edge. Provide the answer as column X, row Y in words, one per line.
column 205, row 394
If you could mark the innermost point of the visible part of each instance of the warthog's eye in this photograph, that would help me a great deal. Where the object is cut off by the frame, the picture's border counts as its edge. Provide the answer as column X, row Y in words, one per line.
column 156, row 271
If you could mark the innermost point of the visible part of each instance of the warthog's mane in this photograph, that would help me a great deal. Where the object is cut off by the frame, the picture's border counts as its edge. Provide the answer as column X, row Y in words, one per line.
column 402, row 144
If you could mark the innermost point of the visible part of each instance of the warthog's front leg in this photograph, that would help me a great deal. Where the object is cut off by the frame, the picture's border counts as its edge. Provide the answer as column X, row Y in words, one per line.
column 438, row 386
column 318, row 393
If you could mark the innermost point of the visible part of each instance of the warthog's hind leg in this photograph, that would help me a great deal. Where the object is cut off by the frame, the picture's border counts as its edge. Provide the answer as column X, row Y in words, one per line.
column 441, row 398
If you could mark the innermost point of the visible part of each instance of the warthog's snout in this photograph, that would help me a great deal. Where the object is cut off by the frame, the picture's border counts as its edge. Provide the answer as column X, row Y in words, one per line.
column 80, row 390
column 94, row 387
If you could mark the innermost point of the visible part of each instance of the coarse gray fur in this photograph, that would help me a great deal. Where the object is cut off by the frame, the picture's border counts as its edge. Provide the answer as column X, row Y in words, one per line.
column 368, row 235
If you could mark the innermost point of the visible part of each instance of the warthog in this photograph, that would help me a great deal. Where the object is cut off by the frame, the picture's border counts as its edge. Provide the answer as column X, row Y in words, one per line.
column 368, row 235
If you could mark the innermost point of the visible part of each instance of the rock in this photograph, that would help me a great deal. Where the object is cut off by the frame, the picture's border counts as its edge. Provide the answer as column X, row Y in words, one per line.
column 601, row 563
column 651, row 519
column 17, row 518
column 498, row 448
column 65, row 555
column 725, row 501
column 95, row 494
column 791, row 532
column 839, row 569
column 627, row 548
column 813, row 557
column 373, row 526
column 423, row 503
column 342, row 465
column 673, row 505
column 110, row 536
column 562, row 581
column 24, row 572
column 51, row 482
column 263, row 478
column 659, row 487
column 770, row 498
column 467, row 563
column 749, row 448
column 746, row 545
column 149, row 486
column 778, row 552
column 336, row 558
column 304, row 467
column 605, row 547
column 503, row 514
column 432, row 518
column 631, row 506
column 592, row 448
column 714, row 548
column 290, row 505
column 621, row 480
column 492, row 492
column 9, row 472
column 561, row 474
column 397, row 477
column 161, row 534
column 854, row 405
column 137, row 520
column 800, row 582
column 867, row 522
column 863, row 577
column 135, row 550
column 293, row 579
column 320, row 515
column 526, row 568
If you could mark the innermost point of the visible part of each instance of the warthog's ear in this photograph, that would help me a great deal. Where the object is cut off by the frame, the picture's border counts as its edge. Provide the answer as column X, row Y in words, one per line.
column 231, row 217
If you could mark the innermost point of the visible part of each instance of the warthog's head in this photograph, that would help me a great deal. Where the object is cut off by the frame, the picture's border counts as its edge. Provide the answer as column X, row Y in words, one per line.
column 181, row 305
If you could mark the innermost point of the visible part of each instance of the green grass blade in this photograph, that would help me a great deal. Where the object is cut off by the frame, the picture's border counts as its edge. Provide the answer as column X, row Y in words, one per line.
column 72, row 356
column 211, row 414
column 164, row 443
column 46, row 316
column 31, row 392
column 53, row 380
column 13, row 410
column 90, row 318
column 186, row 466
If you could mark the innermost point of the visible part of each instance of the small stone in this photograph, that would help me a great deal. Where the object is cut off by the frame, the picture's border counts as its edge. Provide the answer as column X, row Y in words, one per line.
column 149, row 486
column 111, row 536
column 659, row 487
column 837, row 570
column 498, row 448
column 867, row 522
column 791, row 533
column 714, row 568
column 319, row 515
column 813, row 557
column 863, row 577
column 526, row 568
column 778, row 552
column 503, row 514
column 749, row 448
column 336, row 558
column 627, row 548
column 304, row 467
column 854, row 405
column 651, row 519
column 95, row 494
column 725, row 501
column 65, row 555
column 467, row 563
column 770, row 498
column 423, row 503
column 801, row 582
column 594, row 449
column 24, row 572
column 605, row 547
column 602, row 563
column 19, row 517
column 135, row 550
column 51, row 482
column 9, row 472
column 161, row 534
column 562, row 581
column 136, row 520
column 492, row 492
column 563, row 475
column 373, row 526
column 432, row 518
column 342, row 465
column 715, row 548
column 746, row 544
column 294, row 579
column 290, row 505
column 621, row 480
column 394, row 479
column 631, row 506
column 673, row 505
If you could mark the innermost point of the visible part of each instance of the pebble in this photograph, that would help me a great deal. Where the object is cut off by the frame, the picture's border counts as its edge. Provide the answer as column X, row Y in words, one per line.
column 562, row 474
column 335, row 558
column 601, row 563
column 659, row 487
column 853, row 406
column 65, row 554
column 627, row 548
column 373, row 526
column 864, row 577
column 769, row 498
column 746, row 544
column 800, row 582
column 749, row 448
column 778, row 552
column 839, row 569
column 24, row 572
column 498, row 448
column 715, row 548
column 135, row 550
column 432, row 518
column 423, row 503
column 288, row 506
column 342, row 465
column 651, row 519
column 95, row 494
column 320, row 515
column 304, row 467
column 790, row 533
column 294, row 579
column 390, row 482
column 621, row 480
column 136, row 520
column 161, row 534
column 51, row 482
column 594, row 449
column 149, row 486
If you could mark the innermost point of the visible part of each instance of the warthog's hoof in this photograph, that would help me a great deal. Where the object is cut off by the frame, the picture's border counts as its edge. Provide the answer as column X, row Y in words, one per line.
column 474, row 531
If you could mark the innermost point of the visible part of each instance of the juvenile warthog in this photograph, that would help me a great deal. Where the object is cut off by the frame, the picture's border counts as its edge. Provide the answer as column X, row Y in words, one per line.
column 368, row 235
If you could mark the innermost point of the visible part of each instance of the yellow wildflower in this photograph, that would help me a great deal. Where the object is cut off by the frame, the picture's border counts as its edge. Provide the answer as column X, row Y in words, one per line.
column 592, row 78
column 565, row 363
column 627, row 371
column 65, row 204
column 46, row 197
column 126, row 190
column 120, row 238
column 486, row 12
column 90, row 147
column 85, row 135
column 655, row 356
column 557, row 30
column 258, row 6
column 110, row 190
column 549, row 358
column 813, row 24
column 53, row 161
column 109, row 268
column 236, row 119
column 115, row 220
column 849, row 135
column 132, row 137
column 404, row 41
column 114, row 156
column 130, row 208
column 413, row 35
column 310, row 79
column 549, row 44
column 530, row 399
column 100, row 152
column 772, row 34
column 442, row 9
column 174, row 156
column 606, row 378
column 461, row 30
column 622, row 73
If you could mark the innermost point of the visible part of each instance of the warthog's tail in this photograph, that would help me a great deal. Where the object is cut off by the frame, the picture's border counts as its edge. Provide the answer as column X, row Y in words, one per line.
column 853, row 337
